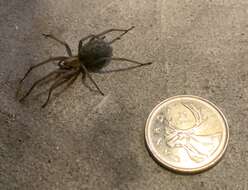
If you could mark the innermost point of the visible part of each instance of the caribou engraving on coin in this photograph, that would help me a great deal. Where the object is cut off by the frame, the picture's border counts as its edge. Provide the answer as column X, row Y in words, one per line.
column 198, row 147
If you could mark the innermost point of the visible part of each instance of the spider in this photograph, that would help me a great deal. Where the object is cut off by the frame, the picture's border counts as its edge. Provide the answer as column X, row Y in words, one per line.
column 92, row 56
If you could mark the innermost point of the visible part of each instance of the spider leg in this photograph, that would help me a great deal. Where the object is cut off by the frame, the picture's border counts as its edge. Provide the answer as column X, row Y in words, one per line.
column 103, row 33
column 67, row 47
column 61, row 80
column 138, row 64
column 61, row 58
column 39, row 81
column 119, row 37
column 92, row 80
column 114, row 30
column 73, row 79
column 83, row 76
column 84, row 79
column 131, row 61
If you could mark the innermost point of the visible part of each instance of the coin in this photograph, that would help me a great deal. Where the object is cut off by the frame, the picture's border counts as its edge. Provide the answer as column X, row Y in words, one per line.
column 187, row 133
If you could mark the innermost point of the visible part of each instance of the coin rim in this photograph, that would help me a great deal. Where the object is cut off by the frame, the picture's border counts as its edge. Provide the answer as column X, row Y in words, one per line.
column 185, row 170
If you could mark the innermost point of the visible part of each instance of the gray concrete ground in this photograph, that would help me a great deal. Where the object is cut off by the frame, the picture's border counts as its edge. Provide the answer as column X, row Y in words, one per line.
column 85, row 141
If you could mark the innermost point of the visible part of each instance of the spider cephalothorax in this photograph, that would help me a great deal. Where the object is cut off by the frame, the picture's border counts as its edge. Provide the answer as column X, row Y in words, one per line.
column 92, row 56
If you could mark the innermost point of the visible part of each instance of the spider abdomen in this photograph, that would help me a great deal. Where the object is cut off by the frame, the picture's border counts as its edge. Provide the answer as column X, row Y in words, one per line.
column 94, row 53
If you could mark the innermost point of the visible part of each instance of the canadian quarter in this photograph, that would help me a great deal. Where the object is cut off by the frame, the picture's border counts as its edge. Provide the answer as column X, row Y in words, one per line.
column 187, row 133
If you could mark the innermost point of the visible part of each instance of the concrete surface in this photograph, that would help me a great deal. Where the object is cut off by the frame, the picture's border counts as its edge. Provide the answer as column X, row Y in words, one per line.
column 85, row 141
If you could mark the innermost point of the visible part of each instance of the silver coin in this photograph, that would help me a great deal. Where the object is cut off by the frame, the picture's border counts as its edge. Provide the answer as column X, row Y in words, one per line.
column 187, row 133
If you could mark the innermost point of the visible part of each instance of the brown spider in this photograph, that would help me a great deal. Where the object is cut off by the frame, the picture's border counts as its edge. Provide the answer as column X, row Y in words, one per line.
column 92, row 57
